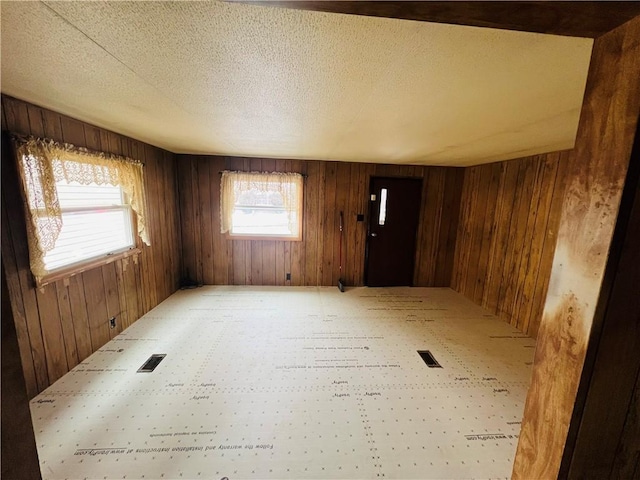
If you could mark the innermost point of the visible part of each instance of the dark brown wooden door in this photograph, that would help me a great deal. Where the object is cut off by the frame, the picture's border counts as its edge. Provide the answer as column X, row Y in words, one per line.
column 394, row 209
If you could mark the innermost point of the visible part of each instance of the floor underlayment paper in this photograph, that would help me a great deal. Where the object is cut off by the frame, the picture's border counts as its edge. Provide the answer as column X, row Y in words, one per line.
column 293, row 383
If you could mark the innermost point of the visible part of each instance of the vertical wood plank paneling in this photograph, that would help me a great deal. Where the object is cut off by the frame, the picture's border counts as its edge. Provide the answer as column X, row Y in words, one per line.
column 197, row 222
column 351, row 225
column 36, row 124
column 463, row 221
column 17, row 115
column 449, row 227
column 549, row 170
column 298, row 248
column 52, row 125
column 146, row 257
column 343, row 182
column 320, row 219
column 516, row 233
column 437, row 205
column 15, row 298
column 114, row 310
column 80, row 317
column 64, row 322
column 72, row 131
column 130, row 273
column 54, row 348
column 470, row 229
column 497, row 240
column 93, row 285
column 255, row 264
column 487, row 231
column 548, row 249
column 20, row 280
column 206, row 225
column 481, row 191
column 18, row 449
column 311, row 211
column 328, row 226
column 503, row 247
column 124, row 319
column 187, row 209
column 428, row 234
column 362, row 205
column 329, row 187
column 524, row 263
column 154, row 211
column 171, row 189
column 222, row 248
column 494, row 284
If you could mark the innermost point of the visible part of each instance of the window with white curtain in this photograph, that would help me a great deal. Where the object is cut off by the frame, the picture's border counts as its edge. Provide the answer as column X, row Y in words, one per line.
column 96, row 221
column 261, row 205
column 82, row 207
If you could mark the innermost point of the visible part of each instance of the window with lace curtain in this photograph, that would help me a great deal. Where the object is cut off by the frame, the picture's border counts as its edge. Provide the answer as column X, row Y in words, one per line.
column 261, row 205
column 83, row 208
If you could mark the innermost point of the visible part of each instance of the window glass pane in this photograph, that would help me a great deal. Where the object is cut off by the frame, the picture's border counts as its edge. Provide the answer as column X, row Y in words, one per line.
column 258, row 198
column 75, row 195
column 263, row 221
column 263, row 211
column 383, row 207
column 89, row 234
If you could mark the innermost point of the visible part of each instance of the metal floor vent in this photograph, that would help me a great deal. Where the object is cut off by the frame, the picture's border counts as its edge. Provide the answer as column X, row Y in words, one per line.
column 429, row 359
column 151, row 364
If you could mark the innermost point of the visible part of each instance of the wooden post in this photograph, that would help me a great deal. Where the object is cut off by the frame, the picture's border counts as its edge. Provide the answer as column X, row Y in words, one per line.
column 596, row 173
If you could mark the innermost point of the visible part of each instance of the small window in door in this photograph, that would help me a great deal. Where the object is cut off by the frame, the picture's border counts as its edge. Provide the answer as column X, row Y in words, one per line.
column 382, row 217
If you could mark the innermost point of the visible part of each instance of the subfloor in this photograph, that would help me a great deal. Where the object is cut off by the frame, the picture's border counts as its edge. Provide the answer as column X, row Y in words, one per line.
column 294, row 383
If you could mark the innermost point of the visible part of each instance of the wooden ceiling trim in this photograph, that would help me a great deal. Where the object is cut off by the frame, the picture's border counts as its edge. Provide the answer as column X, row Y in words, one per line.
column 574, row 19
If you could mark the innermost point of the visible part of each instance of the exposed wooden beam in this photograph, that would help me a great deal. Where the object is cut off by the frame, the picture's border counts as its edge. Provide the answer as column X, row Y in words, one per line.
column 575, row 19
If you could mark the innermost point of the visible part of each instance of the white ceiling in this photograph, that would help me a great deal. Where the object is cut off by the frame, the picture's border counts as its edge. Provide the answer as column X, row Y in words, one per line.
column 236, row 79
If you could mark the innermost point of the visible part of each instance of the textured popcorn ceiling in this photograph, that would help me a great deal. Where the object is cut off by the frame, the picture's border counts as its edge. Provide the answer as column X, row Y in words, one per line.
column 219, row 78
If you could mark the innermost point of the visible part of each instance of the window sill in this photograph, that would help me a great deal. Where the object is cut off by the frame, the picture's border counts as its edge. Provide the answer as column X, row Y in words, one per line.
column 67, row 272
column 277, row 238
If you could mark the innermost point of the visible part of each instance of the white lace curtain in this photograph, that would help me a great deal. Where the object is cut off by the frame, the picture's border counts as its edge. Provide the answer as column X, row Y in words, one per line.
column 43, row 162
column 289, row 185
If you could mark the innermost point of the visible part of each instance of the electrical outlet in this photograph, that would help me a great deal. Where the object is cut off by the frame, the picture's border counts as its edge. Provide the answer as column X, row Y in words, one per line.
column 288, row 276
column 112, row 322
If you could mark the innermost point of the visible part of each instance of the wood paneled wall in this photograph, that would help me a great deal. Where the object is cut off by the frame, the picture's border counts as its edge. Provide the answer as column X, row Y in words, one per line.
column 509, row 219
column 19, row 458
column 574, row 309
column 62, row 323
column 330, row 187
